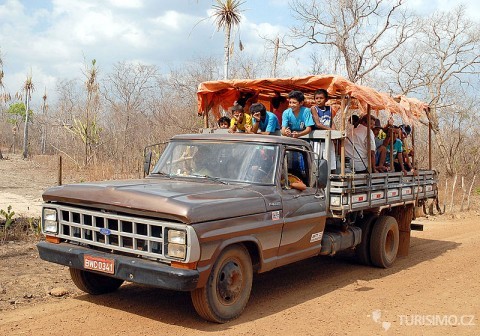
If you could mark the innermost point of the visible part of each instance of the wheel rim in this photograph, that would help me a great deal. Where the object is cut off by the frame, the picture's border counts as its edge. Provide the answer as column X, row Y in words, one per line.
column 230, row 282
column 390, row 243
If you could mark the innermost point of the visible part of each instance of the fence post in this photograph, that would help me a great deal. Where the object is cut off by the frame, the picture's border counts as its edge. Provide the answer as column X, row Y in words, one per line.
column 59, row 176
column 469, row 192
column 453, row 191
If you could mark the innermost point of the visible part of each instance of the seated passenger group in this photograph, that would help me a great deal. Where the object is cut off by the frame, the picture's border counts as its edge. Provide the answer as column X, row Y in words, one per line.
column 299, row 120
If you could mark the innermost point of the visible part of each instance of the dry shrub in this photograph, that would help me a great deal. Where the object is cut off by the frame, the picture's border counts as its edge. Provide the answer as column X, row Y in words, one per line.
column 22, row 229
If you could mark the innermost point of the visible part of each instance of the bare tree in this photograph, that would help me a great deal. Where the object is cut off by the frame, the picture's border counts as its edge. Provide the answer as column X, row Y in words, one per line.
column 128, row 89
column 356, row 35
column 227, row 16
column 444, row 59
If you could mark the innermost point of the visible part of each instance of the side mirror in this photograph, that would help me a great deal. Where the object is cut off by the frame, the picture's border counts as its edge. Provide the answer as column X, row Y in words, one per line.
column 322, row 174
column 147, row 160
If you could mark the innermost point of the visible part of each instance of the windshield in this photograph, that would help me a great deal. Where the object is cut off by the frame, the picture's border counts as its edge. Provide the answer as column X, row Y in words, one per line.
column 225, row 161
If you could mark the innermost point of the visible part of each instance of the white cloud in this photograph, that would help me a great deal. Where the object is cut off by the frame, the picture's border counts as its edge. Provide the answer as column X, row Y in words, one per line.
column 126, row 3
column 170, row 19
column 54, row 38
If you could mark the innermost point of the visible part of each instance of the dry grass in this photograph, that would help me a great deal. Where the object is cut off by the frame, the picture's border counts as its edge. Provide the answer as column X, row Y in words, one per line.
column 72, row 173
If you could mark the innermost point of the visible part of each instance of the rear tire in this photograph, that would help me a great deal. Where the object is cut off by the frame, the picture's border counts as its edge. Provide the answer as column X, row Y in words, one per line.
column 362, row 250
column 93, row 283
column 384, row 241
column 228, row 287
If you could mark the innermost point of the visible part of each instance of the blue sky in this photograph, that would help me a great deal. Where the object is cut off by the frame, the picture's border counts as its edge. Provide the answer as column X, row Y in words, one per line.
column 51, row 39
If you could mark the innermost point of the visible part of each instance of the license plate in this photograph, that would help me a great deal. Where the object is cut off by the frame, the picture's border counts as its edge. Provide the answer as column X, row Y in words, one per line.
column 99, row 264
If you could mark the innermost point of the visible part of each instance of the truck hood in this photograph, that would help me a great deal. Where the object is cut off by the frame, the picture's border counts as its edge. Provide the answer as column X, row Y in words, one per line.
column 185, row 201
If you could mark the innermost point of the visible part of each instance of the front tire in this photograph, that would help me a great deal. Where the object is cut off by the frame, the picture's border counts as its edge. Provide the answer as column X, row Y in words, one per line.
column 384, row 241
column 93, row 283
column 228, row 287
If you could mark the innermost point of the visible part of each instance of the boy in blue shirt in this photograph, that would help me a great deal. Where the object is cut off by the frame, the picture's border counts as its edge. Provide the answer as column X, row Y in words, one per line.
column 296, row 120
column 321, row 113
column 263, row 120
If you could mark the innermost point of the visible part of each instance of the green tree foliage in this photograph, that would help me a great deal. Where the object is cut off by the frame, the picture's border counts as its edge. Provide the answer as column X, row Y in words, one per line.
column 16, row 113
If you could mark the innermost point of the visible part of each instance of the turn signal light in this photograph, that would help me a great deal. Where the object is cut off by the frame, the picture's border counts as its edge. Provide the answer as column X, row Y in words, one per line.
column 176, row 264
column 52, row 239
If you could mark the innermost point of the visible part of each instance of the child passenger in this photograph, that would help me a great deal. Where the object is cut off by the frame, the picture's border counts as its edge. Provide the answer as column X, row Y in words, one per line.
column 241, row 122
column 264, row 121
column 296, row 120
column 322, row 114
column 224, row 122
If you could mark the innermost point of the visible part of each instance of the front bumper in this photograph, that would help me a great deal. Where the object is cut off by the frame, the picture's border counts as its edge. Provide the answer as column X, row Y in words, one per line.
column 126, row 268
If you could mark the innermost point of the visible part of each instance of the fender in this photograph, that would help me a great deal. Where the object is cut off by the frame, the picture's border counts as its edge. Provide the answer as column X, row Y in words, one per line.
column 205, row 268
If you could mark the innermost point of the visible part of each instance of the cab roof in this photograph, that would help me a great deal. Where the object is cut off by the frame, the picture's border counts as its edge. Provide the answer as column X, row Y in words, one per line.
column 241, row 137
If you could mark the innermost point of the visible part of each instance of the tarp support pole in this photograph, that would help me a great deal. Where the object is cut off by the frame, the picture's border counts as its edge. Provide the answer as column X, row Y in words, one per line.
column 429, row 145
column 342, row 140
column 391, row 149
column 414, row 165
column 369, row 147
column 205, row 119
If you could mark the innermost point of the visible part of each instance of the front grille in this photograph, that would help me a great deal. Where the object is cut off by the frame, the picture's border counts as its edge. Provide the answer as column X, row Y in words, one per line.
column 132, row 235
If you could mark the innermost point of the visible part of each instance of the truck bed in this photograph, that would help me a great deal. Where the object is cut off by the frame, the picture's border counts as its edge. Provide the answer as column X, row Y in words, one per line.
column 354, row 192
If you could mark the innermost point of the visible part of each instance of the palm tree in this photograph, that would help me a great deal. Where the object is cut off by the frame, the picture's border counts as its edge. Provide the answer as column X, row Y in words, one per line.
column 227, row 15
column 28, row 87
column 44, row 126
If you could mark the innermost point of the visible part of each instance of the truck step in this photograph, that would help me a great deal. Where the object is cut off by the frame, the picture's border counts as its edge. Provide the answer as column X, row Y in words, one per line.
column 416, row 226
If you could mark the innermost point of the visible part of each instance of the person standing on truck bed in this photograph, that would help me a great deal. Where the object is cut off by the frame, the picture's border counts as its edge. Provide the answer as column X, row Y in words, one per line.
column 296, row 120
column 356, row 145
column 240, row 122
column 322, row 114
column 263, row 120
column 323, row 117
column 279, row 104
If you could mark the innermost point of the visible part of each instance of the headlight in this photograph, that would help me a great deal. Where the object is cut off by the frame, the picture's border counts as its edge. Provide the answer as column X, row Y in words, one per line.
column 177, row 250
column 177, row 237
column 50, row 223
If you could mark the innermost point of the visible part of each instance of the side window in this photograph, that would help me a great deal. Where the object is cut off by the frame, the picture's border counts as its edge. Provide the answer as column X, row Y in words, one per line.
column 298, row 165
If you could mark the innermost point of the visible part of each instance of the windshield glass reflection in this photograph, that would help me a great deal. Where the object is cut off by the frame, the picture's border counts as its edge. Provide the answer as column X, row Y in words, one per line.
column 234, row 162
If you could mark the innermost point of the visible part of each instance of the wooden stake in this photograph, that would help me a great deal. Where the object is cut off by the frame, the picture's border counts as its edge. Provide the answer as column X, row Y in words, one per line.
column 453, row 190
column 445, row 196
column 469, row 192
column 59, row 176
column 464, row 192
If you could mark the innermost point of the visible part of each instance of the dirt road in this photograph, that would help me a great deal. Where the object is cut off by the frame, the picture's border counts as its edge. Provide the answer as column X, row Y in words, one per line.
column 433, row 291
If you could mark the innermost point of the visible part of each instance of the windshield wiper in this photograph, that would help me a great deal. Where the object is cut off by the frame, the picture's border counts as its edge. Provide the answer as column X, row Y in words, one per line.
column 211, row 178
column 163, row 174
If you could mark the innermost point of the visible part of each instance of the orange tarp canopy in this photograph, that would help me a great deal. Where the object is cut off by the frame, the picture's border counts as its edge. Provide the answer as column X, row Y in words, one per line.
column 214, row 95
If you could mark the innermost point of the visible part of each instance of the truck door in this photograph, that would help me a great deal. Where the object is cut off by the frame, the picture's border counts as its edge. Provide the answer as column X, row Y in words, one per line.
column 304, row 212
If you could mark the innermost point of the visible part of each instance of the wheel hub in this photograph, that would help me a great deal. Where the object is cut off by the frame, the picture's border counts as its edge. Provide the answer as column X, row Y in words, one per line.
column 229, row 282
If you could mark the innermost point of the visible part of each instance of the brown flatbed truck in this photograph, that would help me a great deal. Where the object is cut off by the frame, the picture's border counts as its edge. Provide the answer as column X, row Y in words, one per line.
column 217, row 208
